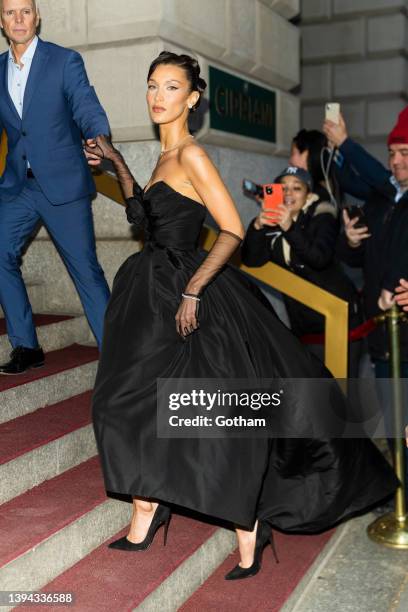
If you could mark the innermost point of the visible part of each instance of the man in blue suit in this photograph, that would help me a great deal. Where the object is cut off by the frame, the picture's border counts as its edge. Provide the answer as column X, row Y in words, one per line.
column 46, row 106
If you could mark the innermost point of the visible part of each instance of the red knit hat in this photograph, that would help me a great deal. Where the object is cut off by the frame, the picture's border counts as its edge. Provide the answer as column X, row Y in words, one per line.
column 399, row 134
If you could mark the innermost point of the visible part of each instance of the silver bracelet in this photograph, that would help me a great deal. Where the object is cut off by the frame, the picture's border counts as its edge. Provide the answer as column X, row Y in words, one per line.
column 190, row 297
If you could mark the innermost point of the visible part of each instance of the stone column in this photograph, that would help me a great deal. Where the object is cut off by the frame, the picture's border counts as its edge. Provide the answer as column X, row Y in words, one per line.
column 354, row 52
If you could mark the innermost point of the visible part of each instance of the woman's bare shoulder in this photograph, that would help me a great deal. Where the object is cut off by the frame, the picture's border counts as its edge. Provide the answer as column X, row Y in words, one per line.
column 192, row 151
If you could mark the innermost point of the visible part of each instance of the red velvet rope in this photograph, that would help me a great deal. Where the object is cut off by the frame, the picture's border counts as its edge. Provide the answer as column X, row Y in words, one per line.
column 359, row 332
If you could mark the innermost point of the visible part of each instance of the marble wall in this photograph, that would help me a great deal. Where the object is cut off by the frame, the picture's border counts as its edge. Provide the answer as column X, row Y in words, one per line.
column 354, row 52
column 118, row 40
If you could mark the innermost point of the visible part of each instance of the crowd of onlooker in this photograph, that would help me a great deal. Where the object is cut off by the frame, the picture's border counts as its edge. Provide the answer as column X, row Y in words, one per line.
column 314, row 232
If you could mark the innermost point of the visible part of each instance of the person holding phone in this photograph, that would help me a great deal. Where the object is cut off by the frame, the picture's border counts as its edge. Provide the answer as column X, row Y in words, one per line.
column 300, row 235
column 380, row 247
column 310, row 151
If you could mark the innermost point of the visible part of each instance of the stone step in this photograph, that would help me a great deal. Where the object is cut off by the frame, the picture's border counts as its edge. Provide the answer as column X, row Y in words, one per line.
column 188, row 574
column 36, row 294
column 42, row 444
column 54, row 332
column 160, row 578
column 67, row 372
column 46, row 530
column 268, row 590
column 61, row 295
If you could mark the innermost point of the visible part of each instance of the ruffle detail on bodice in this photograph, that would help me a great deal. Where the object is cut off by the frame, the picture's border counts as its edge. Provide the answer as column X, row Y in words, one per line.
column 134, row 207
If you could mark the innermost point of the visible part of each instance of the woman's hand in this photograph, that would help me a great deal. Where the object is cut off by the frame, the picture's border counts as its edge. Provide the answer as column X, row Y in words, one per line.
column 278, row 216
column 187, row 316
column 283, row 217
column 355, row 235
column 100, row 148
column 336, row 133
column 386, row 300
column 264, row 218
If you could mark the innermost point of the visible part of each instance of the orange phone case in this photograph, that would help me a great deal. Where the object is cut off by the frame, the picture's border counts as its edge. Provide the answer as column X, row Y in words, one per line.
column 273, row 197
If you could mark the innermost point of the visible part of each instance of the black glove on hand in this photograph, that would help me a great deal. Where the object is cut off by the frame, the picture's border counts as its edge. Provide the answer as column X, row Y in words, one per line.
column 104, row 149
column 223, row 248
column 132, row 192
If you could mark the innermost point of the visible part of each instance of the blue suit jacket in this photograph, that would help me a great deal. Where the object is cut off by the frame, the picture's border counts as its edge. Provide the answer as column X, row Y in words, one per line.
column 59, row 108
column 368, row 173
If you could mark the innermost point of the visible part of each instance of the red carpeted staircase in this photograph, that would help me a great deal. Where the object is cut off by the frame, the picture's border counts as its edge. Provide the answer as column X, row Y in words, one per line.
column 55, row 518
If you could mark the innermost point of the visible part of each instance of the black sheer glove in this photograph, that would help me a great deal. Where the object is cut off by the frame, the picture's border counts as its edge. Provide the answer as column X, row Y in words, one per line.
column 222, row 250
column 104, row 149
column 132, row 192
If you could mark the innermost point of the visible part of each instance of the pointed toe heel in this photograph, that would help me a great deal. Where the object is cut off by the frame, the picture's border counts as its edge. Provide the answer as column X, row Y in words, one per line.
column 264, row 534
column 238, row 572
column 123, row 544
column 161, row 517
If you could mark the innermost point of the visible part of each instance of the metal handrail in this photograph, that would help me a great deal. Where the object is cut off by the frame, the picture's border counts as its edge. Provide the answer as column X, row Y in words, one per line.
column 331, row 307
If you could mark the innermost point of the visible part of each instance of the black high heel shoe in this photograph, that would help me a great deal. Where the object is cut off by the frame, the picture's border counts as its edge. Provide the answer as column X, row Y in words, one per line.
column 264, row 534
column 161, row 517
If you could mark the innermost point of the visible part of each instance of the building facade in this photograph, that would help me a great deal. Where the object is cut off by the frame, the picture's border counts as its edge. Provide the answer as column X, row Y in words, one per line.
column 355, row 52
column 250, row 42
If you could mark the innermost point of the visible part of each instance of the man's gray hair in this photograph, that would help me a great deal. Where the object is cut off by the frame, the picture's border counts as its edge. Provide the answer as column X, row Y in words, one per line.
column 35, row 4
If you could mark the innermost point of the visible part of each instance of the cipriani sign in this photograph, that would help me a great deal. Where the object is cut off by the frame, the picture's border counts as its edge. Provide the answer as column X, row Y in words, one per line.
column 239, row 112
column 241, row 107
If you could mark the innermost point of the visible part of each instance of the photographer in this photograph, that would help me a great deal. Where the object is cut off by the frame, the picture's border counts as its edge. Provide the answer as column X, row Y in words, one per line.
column 301, row 237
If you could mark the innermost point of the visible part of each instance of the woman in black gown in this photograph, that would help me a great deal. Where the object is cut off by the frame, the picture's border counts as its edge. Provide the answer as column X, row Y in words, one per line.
column 153, row 329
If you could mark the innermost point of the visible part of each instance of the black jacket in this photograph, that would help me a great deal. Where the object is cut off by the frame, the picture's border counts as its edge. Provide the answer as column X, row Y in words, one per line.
column 312, row 239
column 383, row 257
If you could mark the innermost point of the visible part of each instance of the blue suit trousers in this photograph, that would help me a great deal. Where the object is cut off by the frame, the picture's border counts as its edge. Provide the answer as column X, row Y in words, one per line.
column 71, row 228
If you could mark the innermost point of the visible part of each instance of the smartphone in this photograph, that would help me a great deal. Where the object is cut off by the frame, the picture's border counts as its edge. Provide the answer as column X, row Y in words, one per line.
column 273, row 196
column 252, row 189
column 357, row 211
column 332, row 112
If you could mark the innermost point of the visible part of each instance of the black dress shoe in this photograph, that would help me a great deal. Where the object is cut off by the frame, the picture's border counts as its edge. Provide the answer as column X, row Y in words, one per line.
column 23, row 359
column 161, row 517
column 264, row 534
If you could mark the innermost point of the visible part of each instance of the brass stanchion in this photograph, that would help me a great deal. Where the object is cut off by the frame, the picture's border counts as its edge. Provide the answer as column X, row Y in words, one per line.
column 392, row 528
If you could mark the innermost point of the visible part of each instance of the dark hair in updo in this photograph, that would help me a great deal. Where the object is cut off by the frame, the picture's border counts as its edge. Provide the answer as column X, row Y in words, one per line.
column 189, row 65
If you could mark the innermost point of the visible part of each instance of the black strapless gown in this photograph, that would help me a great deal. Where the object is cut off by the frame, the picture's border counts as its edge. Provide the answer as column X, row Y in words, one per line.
column 300, row 485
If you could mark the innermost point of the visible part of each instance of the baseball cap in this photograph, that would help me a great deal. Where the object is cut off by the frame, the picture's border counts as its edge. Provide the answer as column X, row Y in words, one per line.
column 299, row 173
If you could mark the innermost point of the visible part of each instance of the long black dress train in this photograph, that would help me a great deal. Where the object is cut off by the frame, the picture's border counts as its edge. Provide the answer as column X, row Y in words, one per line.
column 300, row 485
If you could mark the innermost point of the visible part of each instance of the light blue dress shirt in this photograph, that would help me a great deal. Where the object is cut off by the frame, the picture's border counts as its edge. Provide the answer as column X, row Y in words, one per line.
column 18, row 77
column 399, row 190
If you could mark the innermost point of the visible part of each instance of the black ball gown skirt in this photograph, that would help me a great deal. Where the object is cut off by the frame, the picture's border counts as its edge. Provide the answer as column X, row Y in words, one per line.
column 300, row 483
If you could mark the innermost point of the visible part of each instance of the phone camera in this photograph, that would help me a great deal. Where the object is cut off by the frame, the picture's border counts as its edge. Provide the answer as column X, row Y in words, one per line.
column 269, row 190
